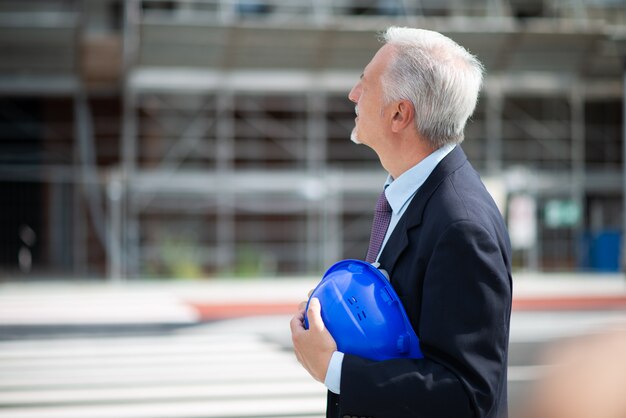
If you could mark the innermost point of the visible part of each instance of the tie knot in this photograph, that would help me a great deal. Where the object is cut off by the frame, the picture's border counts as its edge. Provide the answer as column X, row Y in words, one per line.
column 382, row 205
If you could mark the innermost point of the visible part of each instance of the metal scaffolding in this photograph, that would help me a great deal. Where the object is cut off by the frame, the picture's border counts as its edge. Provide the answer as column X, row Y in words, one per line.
column 234, row 155
column 41, row 48
column 304, row 54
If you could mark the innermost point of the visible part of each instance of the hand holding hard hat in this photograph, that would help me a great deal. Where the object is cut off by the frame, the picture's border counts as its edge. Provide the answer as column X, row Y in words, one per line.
column 363, row 313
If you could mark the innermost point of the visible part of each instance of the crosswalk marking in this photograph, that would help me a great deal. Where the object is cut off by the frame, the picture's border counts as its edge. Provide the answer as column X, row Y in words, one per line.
column 150, row 393
column 204, row 409
column 73, row 348
column 221, row 370
column 100, row 376
column 186, row 375
column 137, row 360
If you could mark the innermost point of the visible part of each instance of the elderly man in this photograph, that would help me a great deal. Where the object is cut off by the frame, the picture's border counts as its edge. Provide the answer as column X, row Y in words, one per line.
column 443, row 244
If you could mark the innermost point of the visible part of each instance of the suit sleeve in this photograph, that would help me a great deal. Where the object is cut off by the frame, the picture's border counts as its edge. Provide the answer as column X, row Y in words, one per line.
column 463, row 331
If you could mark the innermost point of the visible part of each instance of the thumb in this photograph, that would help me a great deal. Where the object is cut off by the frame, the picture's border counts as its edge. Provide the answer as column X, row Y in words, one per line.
column 314, row 314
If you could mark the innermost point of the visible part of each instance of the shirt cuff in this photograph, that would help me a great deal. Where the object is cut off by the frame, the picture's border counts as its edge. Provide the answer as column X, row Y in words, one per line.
column 333, row 374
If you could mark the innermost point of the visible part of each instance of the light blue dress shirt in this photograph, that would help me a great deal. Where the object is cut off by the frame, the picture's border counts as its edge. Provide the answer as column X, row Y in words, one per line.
column 399, row 193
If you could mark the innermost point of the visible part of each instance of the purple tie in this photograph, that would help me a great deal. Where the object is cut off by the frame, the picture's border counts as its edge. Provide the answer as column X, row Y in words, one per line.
column 382, row 216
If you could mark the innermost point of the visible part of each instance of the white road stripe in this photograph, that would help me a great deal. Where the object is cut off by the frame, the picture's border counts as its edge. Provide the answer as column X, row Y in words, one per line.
column 224, row 375
column 153, row 370
column 204, row 358
column 207, row 409
column 214, row 374
column 125, row 347
column 214, row 391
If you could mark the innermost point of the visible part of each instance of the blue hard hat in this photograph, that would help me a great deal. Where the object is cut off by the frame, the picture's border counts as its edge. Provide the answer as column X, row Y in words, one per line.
column 363, row 313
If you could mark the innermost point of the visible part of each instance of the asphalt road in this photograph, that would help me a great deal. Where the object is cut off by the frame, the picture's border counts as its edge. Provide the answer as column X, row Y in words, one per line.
column 230, row 368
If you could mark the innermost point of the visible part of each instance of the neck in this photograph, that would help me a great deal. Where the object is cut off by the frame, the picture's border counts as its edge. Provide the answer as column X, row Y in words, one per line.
column 407, row 155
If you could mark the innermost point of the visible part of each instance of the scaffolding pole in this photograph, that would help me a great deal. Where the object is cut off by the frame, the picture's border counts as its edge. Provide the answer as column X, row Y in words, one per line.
column 128, row 227
column 225, row 153
column 577, row 106
column 316, row 188
column 493, row 118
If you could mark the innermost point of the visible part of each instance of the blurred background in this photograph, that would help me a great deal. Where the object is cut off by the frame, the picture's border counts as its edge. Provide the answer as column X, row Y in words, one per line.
column 175, row 176
column 210, row 138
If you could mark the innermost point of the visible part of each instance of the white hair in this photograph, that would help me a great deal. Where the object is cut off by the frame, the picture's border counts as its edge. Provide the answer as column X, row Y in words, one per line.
column 439, row 77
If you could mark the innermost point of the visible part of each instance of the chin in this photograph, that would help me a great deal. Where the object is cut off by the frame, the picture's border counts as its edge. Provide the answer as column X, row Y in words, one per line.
column 354, row 138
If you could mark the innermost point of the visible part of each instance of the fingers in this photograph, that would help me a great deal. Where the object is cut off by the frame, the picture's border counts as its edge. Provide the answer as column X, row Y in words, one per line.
column 314, row 347
column 314, row 315
column 297, row 327
column 298, row 332
column 296, row 324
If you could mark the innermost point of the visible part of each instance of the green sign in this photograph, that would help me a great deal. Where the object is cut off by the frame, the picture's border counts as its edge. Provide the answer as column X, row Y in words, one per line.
column 561, row 213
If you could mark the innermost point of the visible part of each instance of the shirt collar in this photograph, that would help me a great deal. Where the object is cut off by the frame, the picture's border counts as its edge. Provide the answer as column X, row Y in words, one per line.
column 400, row 191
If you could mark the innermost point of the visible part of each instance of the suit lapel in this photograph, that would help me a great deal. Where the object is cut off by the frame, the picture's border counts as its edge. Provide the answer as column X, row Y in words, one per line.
column 399, row 240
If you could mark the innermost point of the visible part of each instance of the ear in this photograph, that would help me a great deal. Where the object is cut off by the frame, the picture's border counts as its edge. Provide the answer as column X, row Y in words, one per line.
column 403, row 116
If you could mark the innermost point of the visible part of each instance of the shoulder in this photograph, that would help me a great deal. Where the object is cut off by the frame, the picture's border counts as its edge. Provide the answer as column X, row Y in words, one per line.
column 463, row 199
column 461, row 194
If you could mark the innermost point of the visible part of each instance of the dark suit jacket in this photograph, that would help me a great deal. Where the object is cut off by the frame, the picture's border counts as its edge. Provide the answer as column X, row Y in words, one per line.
column 448, row 259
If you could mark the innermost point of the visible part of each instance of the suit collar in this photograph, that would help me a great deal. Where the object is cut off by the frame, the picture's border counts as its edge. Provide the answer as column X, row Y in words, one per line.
column 455, row 159
column 414, row 213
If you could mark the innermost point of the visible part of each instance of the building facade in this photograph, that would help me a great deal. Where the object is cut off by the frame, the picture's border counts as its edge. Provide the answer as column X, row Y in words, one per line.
column 203, row 138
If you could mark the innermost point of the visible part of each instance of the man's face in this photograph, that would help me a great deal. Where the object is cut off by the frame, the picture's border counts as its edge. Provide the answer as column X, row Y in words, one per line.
column 367, row 94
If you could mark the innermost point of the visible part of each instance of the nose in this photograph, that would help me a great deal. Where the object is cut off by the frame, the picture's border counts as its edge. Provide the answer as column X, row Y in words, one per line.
column 355, row 93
